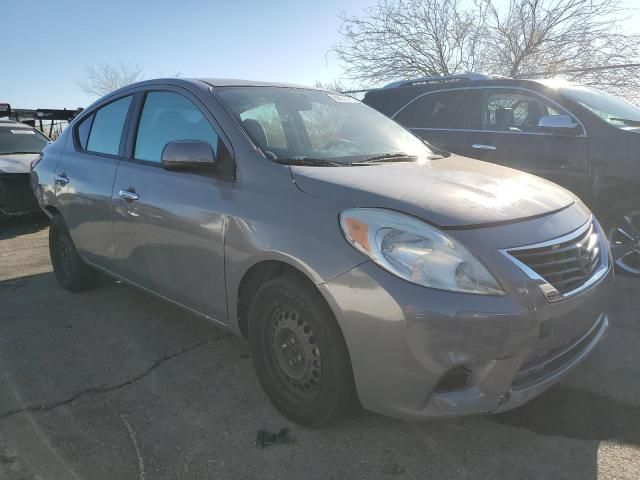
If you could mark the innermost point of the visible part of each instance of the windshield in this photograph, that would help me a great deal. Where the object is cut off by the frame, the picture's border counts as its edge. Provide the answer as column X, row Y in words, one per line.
column 614, row 110
column 318, row 127
column 21, row 140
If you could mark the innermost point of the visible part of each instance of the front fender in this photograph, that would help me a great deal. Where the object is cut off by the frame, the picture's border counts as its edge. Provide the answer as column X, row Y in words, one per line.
column 311, row 243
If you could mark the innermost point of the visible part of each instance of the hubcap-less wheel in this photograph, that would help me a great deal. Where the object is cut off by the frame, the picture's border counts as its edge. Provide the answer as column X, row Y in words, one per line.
column 64, row 253
column 70, row 270
column 299, row 352
column 624, row 240
column 295, row 352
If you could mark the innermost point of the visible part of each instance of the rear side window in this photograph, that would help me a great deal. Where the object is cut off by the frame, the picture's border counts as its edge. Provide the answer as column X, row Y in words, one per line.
column 167, row 117
column 443, row 110
column 106, row 131
column 83, row 131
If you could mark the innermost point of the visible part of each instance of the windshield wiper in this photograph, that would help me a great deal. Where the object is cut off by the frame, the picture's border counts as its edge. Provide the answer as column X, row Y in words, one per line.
column 387, row 158
column 626, row 121
column 310, row 162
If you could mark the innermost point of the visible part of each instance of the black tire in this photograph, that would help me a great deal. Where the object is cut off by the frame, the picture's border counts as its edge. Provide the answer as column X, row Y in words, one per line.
column 622, row 227
column 72, row 273
column 319, row 388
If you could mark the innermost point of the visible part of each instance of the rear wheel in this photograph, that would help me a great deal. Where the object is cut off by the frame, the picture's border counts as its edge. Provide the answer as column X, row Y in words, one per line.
column 72, row 273
column 299, row 353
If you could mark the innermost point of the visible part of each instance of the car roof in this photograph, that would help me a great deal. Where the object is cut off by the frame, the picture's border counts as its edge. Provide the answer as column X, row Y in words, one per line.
column 211, row 82
column 185, row 83
column 5, row 122
column 394, row 96
column 235, row 82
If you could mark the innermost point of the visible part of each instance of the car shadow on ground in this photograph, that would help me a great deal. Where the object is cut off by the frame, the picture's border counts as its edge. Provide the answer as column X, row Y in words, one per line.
column 577, row 414
column 16, row 226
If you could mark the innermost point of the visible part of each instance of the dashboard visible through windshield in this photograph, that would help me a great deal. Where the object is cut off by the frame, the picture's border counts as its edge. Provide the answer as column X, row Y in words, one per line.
column 296, row 125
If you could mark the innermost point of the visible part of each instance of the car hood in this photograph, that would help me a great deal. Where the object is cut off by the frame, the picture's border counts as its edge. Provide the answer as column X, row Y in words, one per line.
column 452, row 192
column 16, row 163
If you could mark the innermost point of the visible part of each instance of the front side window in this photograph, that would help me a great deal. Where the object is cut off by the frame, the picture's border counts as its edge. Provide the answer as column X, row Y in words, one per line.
column 167, row 117
column 106, row 130
column 313, row 126
column 514, row 111
column 613, row 110
column 18, row 139
column 451, row 110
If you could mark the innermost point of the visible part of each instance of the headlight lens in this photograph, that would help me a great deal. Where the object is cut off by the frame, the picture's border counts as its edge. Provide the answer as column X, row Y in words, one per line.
column 416, row 251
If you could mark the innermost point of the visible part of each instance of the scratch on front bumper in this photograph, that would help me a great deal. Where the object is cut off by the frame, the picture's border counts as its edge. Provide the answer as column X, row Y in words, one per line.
column 536, row 376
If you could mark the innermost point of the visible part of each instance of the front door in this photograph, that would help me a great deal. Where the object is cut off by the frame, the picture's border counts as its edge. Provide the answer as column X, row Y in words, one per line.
column 169, row 226
column 511, row 136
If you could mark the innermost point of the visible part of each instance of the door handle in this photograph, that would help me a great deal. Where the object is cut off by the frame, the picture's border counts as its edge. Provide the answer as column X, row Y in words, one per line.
column 480, row 146
column 128, row 195
column 62, row 180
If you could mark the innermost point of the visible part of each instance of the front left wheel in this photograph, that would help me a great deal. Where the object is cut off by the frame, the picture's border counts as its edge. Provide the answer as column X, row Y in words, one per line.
column 299, row 353
column 70, row 270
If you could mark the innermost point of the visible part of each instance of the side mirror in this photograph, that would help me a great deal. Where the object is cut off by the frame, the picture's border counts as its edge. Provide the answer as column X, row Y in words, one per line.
column 557, row 124
column 187, row 155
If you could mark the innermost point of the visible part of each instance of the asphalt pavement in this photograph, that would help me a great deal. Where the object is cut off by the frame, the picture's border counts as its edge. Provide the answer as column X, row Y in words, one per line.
column 115, row 384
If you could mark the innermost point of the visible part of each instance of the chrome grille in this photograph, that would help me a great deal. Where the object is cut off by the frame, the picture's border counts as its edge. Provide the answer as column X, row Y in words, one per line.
column 565, row 264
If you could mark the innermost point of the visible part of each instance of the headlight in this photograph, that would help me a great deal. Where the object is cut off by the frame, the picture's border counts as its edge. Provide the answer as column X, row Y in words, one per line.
column 416, row 251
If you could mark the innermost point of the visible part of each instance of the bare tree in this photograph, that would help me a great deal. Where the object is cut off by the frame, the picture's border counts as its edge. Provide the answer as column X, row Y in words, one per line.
column 533, row 36
column 332, row 86
column 409, row 38
column 356, row 91
column 104, row 78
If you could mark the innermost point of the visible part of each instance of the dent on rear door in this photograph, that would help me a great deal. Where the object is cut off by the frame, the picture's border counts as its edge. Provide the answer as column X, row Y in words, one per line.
column 85, row 202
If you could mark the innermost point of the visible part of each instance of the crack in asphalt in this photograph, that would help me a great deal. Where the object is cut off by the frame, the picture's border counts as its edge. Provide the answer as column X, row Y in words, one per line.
column 97, row 390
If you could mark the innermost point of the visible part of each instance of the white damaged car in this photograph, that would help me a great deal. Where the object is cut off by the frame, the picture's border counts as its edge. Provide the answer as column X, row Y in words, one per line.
column 20, row 144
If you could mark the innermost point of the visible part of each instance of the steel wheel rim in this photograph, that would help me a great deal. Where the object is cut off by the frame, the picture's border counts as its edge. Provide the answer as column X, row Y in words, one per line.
column 624, row 241
column 295, row 352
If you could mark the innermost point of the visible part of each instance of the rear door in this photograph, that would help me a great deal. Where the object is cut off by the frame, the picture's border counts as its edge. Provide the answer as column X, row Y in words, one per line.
column 169, row 225
column 85, row 175
column 447, row 119
column 510, row 118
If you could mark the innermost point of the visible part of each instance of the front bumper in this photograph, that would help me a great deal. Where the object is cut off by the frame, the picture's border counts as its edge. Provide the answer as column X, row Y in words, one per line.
column 16, row 196
column 406, row 342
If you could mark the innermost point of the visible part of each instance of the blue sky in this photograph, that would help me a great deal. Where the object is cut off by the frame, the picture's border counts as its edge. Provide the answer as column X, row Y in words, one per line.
column 46, row 44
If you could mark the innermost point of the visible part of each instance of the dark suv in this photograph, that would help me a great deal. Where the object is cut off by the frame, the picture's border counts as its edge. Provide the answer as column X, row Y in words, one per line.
column 583, row 139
